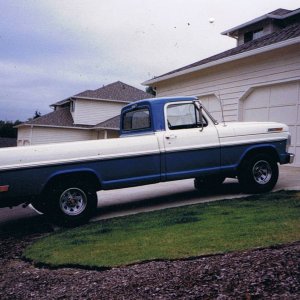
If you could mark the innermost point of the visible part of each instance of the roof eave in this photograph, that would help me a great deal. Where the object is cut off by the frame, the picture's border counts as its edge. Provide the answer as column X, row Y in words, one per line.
column 100, row 99
column 234, row 29
column 225, row 60
column 53, row 126
column 61, row 102
column 105, row 128
column 229, row 32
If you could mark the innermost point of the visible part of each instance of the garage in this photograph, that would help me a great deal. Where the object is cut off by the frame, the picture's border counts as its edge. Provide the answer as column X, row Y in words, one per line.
column 280, row 103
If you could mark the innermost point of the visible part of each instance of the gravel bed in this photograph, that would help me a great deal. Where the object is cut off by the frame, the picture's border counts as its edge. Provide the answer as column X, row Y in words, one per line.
column 271, row 273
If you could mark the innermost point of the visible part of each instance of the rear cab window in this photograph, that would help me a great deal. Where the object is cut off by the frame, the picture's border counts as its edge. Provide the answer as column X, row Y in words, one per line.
column 137, row 119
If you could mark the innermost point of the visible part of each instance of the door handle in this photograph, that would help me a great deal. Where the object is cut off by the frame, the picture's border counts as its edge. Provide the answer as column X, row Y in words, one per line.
column 171, row 136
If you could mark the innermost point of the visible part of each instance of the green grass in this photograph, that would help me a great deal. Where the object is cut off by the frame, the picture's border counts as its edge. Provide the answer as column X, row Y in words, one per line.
column 216, row 227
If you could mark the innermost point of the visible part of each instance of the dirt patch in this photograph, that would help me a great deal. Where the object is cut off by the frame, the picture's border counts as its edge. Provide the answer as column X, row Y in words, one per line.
column 272, row 273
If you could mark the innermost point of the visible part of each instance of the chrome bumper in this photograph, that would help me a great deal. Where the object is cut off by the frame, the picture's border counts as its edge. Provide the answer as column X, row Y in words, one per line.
column 292, row 158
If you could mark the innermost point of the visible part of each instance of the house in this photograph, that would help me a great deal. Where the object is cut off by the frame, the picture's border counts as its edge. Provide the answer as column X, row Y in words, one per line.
column 258, row 80
column 92, row 114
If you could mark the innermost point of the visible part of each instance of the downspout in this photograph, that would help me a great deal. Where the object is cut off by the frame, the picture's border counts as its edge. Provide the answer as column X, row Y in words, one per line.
column 30, row 138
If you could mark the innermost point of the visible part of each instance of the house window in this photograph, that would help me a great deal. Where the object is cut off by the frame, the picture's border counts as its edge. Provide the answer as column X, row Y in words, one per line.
column 257, row 34
column 253, row 35
column 72, row 105
column 137, row 119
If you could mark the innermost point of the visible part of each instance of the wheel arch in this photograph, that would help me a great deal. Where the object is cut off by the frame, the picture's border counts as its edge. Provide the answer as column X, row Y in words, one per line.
column 262, row 149
column 85, row 175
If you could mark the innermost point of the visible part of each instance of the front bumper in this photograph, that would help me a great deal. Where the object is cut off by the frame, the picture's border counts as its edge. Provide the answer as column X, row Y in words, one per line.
column 292, row 158
column 287, row 158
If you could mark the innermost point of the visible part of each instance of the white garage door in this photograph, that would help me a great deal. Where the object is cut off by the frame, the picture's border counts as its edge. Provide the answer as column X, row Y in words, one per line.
column 280, row 103
column 212, row 104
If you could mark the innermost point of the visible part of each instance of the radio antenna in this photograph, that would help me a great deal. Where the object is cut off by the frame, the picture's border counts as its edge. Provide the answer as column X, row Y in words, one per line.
column 222, row 110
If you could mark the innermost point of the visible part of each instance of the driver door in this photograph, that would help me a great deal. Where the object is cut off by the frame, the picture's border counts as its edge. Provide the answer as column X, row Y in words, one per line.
column 192, row 146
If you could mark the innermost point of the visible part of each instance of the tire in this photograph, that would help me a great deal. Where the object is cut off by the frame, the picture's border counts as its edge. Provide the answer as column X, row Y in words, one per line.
column 208, row 182
column 71, row 204
column 258, row 174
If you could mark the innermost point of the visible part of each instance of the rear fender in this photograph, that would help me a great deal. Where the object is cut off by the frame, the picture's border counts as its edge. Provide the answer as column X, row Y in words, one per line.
column 85, row 174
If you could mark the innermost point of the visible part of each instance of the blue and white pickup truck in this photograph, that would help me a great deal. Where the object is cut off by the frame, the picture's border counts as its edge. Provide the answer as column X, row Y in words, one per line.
column 162, row 139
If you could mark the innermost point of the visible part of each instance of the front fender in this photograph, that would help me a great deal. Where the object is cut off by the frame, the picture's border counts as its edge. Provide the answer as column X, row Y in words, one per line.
column 269, row 148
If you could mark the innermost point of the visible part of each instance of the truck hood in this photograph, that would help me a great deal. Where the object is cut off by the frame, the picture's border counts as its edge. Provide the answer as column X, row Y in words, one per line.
column 235, row 133
column 250, row 128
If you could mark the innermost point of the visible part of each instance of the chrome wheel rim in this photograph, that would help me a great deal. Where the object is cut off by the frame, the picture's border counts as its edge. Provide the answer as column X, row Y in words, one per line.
column 73, row 201
column 262, row 172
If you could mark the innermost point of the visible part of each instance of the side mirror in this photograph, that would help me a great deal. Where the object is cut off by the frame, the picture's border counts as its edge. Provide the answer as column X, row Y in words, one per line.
column 198, row 105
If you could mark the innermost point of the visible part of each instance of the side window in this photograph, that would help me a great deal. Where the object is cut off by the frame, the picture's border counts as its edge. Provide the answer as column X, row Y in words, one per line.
column 137, row 119
column 185, row 115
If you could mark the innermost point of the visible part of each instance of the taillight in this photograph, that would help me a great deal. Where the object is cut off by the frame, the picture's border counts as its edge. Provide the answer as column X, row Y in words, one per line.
column 4, row 188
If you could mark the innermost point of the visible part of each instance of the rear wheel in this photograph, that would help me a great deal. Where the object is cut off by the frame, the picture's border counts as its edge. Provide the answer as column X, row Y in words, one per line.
column 258, row 174
column 72, row 204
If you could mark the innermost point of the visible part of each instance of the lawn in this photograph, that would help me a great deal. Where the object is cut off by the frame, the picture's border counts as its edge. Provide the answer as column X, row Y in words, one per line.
column 215, row 227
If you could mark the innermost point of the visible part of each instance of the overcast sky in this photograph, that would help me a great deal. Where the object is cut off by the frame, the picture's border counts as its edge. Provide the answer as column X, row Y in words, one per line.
column 53, row 49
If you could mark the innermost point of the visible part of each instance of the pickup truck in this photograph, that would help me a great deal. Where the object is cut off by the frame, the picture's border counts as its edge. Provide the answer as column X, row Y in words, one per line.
column 161, row 139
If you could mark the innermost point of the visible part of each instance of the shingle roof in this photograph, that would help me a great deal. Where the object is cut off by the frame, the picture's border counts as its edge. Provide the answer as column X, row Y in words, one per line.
column 60, row 118
column 279, row 12
column 63, row 118
column 113, row 123
column 116, row 91
column 286, row 33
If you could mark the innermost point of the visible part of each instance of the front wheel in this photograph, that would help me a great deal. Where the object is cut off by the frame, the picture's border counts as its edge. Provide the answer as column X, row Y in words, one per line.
column 258, row 174
column 72, row 205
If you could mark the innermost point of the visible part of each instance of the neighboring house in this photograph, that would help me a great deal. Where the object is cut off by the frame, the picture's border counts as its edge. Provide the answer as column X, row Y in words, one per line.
column 89, row 115
column 7, row 142
column 258, row 80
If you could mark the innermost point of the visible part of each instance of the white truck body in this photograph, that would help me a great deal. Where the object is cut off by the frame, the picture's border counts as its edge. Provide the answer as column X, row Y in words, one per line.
column 162, row 139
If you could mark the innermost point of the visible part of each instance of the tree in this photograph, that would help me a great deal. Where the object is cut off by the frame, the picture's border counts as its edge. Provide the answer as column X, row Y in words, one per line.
column 151, row 90
column 37, row 114
column 7, row 129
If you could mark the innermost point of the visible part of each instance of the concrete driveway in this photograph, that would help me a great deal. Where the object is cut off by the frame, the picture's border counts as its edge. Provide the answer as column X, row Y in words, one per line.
column 177, row 193
column 157, row 196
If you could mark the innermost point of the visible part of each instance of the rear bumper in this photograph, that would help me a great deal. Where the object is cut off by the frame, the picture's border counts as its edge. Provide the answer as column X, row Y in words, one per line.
column 292, row 158
column 287, row 158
